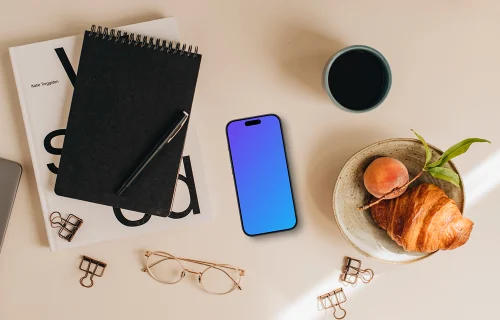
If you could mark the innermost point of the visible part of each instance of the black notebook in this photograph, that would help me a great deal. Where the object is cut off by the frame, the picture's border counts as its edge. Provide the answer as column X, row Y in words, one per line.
column 130, row 90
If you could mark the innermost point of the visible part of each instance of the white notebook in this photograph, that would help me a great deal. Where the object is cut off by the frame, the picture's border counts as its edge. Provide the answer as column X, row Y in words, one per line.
column 45, row 73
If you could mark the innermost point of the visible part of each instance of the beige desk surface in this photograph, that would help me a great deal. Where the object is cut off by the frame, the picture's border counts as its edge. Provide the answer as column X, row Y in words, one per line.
column 262, row 57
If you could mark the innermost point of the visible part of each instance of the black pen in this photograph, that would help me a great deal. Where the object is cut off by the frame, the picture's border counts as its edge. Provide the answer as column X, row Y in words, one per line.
column 165, row 140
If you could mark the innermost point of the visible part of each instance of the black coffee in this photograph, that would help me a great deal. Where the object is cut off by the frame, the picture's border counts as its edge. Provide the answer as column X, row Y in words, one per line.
column 358, row 80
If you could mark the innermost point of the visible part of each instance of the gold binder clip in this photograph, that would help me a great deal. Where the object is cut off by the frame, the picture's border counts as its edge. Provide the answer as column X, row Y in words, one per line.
column 67, row 227
column 328, row 302
column 93, row 268
column 352, row 272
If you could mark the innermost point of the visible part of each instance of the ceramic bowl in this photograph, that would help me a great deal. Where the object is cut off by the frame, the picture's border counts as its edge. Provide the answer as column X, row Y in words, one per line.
column 358, row 227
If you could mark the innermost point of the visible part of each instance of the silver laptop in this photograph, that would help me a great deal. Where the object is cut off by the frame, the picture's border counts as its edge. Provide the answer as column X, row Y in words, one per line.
column 10, row 174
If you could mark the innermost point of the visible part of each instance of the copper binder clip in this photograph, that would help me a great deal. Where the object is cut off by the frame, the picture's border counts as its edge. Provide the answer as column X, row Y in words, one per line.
column 333, row 300
column 352, row 272
column 93, row 268
column 67, row 227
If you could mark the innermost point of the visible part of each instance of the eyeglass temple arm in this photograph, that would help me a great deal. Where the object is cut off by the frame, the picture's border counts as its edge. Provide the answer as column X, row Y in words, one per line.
column 205, row 263
column 168, row 256
column 211, row 264
column 154, row 264
column 208, row 264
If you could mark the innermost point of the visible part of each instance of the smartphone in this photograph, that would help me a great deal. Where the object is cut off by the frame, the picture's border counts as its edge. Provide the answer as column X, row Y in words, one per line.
column 261, row 175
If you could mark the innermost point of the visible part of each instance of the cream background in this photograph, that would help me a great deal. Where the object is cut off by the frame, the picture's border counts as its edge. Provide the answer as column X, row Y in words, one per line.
column 262, row 57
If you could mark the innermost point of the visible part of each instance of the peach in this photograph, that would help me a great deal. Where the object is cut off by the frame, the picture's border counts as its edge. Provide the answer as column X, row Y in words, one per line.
column 384, row 175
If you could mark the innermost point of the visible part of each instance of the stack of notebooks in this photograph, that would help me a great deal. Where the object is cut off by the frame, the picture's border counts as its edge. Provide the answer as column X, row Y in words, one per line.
column 131, row 86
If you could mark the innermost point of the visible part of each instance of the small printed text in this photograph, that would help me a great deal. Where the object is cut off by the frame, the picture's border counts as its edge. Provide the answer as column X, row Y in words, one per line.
column 44, row 84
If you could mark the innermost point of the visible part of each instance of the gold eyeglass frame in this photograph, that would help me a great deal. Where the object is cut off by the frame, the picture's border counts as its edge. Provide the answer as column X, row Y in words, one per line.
column 209, row 265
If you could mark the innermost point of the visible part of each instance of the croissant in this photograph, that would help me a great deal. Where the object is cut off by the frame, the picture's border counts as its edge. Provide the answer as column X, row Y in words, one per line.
column 423, row 219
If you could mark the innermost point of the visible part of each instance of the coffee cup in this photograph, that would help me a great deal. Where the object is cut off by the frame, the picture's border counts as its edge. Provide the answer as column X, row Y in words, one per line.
column 357, row 78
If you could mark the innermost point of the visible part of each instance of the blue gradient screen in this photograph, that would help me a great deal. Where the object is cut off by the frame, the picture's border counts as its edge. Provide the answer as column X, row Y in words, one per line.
column 261, row 175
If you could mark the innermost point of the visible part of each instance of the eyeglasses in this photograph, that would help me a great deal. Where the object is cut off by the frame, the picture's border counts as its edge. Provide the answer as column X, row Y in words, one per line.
column 215, row 279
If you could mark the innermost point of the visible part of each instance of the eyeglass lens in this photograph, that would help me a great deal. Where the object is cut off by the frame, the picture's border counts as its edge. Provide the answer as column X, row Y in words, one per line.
column 165, row 269
column 217, row 280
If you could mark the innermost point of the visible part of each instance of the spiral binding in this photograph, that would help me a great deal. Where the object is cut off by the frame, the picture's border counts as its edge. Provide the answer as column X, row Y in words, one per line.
column 143, row 41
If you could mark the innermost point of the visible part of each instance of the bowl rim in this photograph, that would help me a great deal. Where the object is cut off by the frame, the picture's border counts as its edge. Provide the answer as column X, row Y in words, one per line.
column 439, row 151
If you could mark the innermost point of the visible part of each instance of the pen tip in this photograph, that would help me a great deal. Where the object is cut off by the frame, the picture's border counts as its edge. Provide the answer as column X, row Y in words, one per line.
column 120, row 192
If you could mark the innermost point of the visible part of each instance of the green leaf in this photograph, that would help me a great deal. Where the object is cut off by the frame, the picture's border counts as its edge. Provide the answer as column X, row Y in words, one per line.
column 445, row 174
column 454, row 151
column 428, row 152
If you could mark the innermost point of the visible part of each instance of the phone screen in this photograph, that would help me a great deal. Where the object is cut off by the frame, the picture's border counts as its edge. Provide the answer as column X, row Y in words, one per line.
column 261, row 175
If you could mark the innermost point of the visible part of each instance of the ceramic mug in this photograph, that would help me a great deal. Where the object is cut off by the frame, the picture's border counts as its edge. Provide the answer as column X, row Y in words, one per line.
column 357, row 78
